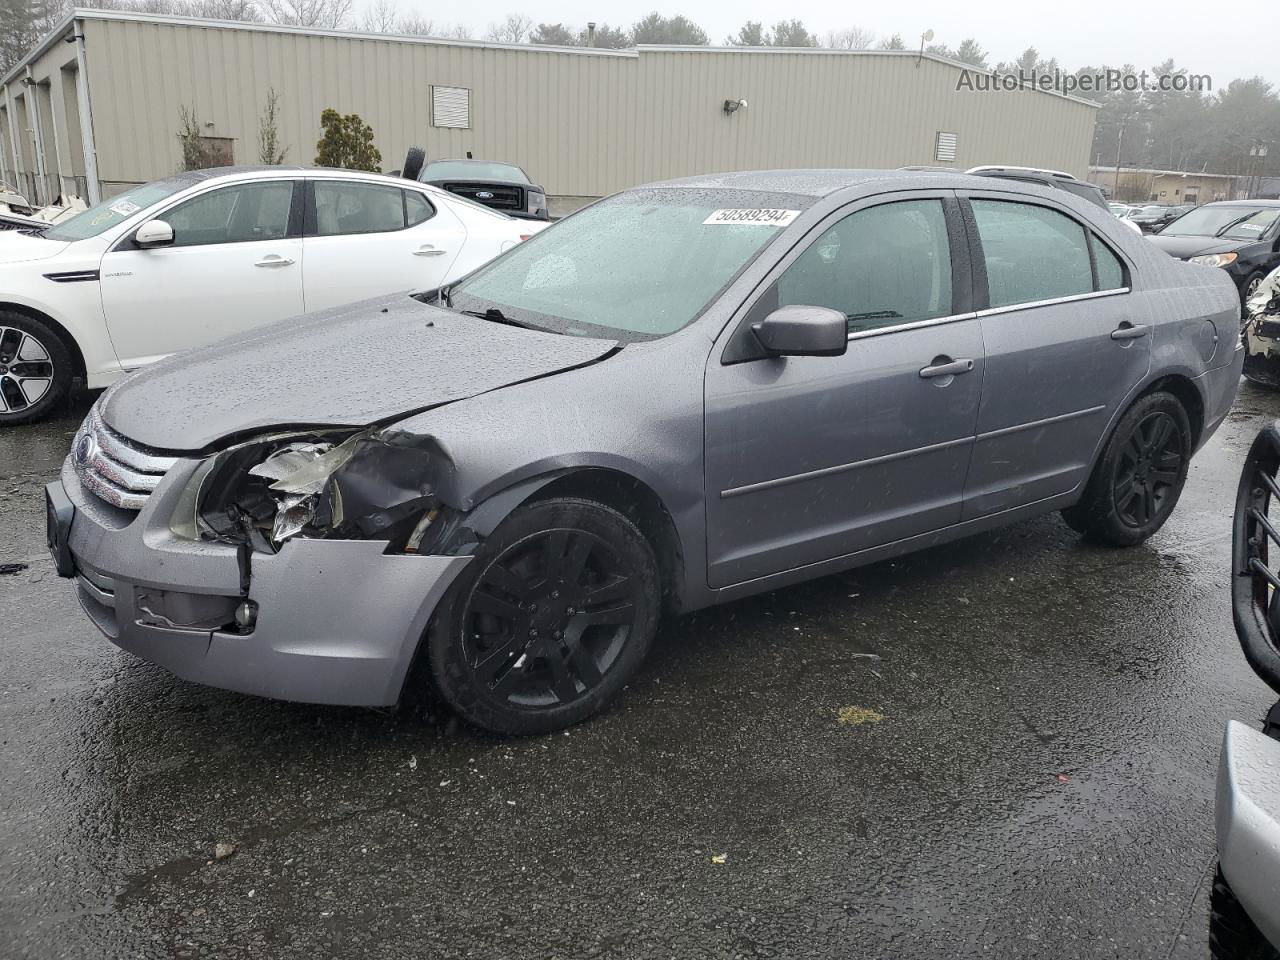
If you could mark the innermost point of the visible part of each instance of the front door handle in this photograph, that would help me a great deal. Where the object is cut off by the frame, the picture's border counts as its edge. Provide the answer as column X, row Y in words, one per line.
column 945, row 367
column 1130, row 331
column 274, row 260
column 427, row 250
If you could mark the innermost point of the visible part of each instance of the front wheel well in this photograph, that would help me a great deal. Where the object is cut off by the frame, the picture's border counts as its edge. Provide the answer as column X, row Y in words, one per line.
column 77, row 358
column 1186, row 394
column 642, row 506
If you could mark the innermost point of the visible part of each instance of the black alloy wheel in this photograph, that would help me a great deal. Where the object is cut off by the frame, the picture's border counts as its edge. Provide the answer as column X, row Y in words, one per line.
column 1150, row 469
column 1137, row 480
column 552, row 617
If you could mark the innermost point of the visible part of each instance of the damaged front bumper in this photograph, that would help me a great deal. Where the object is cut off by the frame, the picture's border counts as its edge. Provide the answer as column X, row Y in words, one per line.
column 337, row 621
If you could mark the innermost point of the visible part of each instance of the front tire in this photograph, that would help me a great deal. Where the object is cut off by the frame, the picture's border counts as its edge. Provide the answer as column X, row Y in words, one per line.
column 550, row 620
column 1140, row 475
column 35, row 369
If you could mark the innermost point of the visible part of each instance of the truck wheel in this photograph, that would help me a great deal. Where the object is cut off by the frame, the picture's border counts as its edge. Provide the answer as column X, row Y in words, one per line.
column 35, row 369
column 549, row 621
column 1139, row 477
column 413, row 163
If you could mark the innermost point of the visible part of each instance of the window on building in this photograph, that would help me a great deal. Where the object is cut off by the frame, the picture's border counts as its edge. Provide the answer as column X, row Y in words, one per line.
column 451, row 107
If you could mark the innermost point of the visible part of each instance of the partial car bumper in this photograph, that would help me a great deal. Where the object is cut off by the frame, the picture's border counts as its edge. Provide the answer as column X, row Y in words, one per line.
column 337, row 621
column 1248, row 822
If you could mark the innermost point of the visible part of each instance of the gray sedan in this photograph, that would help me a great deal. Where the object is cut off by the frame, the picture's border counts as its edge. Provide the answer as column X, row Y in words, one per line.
column 684, row 394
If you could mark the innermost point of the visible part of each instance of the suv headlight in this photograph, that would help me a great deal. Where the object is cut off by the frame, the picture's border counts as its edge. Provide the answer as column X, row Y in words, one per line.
column 537, row 200
column 1216, row 259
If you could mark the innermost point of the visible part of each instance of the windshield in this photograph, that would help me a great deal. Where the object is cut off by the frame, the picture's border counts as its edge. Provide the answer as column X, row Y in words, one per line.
column 637, row 266
column 1230, row 223
column 472, row 170
column 118, row 209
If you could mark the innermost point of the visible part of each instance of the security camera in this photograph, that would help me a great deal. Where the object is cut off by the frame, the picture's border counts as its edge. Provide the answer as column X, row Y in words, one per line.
column 742, row 103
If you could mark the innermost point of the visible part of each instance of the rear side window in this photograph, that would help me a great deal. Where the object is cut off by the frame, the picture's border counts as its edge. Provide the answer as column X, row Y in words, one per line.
column 417, row 208
column 1110, row 269
column 1032, row 253
column 881, row 267
column 348, row 208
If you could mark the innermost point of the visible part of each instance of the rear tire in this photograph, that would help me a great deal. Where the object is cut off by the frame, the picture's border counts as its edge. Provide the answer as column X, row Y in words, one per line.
column 1139, row 477
column 549, row 621
column 35, row 369
column 414, row 161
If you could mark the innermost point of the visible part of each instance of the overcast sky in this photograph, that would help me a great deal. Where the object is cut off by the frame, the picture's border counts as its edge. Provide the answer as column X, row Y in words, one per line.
column 1205, row 38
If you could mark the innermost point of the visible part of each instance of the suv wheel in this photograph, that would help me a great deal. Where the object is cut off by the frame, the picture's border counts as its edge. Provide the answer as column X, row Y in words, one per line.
column 549, row 621
column 1139, row 477
column 35, row 369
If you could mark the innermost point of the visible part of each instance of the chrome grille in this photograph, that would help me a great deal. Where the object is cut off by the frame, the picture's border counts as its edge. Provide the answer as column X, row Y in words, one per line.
column 112, row 468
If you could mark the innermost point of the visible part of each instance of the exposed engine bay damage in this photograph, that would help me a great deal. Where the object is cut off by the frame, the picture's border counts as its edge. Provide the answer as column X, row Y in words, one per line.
column 366, row 485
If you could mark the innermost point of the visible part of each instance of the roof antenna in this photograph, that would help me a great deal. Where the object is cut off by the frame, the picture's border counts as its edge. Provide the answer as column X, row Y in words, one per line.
column 926, row 37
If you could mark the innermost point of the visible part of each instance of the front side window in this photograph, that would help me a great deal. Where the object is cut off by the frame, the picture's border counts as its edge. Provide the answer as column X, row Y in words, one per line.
column 347, row 208
column 251, row 211
column 881, row 267
column 636, row 266
column 1032, row 253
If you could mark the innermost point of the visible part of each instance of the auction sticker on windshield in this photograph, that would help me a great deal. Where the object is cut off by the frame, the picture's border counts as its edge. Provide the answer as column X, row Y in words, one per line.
column 762, row 216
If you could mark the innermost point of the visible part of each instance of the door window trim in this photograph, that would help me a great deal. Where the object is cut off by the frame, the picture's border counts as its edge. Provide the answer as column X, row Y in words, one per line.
column 962, row 279
column 293, row 230
column 981, row 287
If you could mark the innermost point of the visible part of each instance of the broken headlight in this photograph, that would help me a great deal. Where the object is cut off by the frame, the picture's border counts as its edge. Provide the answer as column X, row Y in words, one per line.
column 346, row 486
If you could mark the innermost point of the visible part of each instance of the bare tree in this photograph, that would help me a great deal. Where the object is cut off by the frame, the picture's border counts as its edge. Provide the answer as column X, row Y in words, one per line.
column 330, row 14
column 383, row 16
column 513, row 29
column 243, row 10
column 851, row 38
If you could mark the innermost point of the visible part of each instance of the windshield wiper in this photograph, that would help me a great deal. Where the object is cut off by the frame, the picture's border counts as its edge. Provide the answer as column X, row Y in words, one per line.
column 1236, row 222
column 494, row 315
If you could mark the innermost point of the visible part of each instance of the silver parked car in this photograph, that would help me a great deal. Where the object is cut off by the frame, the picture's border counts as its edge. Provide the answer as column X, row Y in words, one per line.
column 684, row 394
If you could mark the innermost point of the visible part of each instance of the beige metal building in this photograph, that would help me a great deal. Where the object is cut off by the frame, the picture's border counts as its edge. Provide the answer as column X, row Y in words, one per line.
column 1142, row 185
column 96, row 106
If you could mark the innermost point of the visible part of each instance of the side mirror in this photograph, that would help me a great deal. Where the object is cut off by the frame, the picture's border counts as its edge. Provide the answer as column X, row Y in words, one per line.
column 153, row 233
column 803, row 331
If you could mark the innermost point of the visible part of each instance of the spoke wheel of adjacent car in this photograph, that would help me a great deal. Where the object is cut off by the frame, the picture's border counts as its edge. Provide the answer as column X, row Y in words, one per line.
column 1139, row 477
column 550, row 620
column 35, row 369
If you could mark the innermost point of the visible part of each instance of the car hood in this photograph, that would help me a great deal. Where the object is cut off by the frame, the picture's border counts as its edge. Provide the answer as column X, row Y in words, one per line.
column 366, row 363
column 18, row 247
column 1186, row 247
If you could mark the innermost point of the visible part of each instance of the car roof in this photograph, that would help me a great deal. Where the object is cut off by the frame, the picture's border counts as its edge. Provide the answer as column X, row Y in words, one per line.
column 825, row 182
column 1242, row 203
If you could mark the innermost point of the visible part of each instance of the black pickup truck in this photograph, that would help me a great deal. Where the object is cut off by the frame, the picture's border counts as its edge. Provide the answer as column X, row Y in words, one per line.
column 500, row 186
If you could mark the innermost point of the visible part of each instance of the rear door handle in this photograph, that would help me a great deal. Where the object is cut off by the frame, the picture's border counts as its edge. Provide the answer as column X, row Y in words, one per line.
column 1130, row 331
column 273, row 260
column 946, row 368
column 427, row 250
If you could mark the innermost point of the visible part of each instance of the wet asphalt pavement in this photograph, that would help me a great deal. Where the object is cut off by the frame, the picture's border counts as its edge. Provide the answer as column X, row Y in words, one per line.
column 1027, row 771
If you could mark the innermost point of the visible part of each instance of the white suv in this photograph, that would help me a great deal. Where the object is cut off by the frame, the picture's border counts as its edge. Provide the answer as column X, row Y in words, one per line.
column 208, row 254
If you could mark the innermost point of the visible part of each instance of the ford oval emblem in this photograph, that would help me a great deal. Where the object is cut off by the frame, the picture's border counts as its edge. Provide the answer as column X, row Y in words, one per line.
column 84, row 450
column 483, row 195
